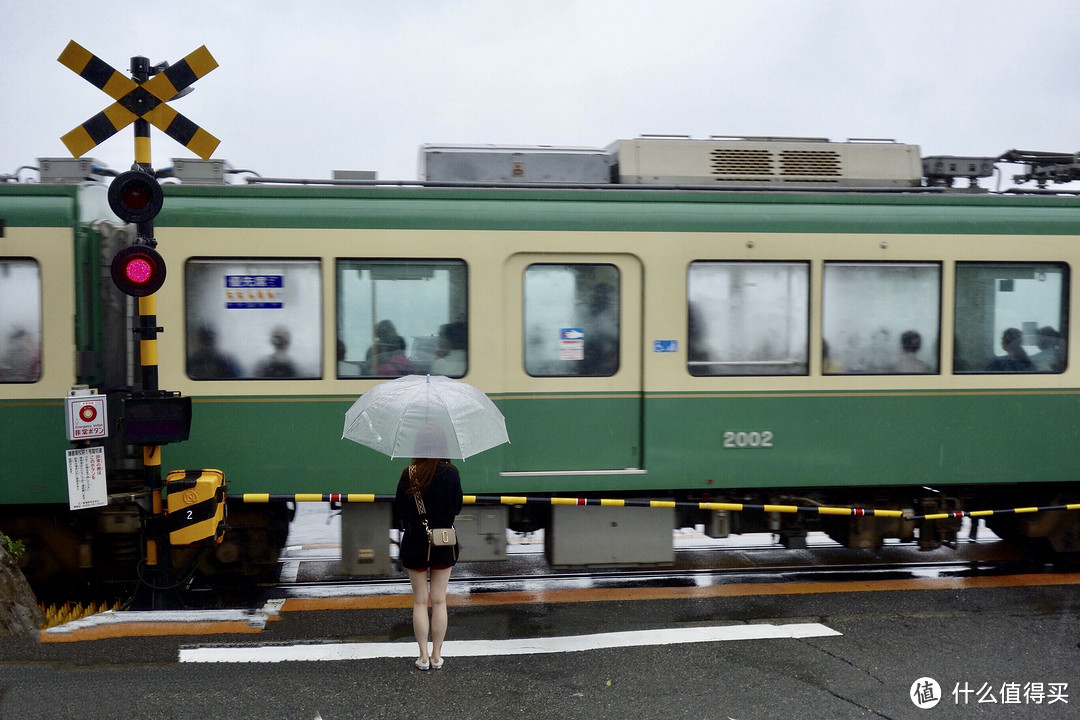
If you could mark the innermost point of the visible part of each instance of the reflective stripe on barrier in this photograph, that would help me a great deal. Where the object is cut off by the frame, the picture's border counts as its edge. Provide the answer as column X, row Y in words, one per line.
column 311, row 497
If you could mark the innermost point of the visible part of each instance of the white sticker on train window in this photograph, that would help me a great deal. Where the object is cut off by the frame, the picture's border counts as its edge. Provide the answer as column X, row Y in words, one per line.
column 571, row 344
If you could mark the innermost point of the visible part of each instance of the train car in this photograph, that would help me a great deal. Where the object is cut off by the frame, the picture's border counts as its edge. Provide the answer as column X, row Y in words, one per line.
column 742, row 320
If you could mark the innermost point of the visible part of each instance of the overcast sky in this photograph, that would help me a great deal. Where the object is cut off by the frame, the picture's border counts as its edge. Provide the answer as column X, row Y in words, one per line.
column 305, row 88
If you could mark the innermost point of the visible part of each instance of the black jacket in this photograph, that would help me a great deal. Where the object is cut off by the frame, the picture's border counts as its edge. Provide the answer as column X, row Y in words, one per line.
column 442, row 502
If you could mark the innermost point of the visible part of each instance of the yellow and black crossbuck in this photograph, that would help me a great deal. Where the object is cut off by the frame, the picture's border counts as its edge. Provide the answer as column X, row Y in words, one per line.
column 133, row 101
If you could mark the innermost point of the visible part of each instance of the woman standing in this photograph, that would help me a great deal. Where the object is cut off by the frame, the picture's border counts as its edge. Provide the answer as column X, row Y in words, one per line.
column 429, row 489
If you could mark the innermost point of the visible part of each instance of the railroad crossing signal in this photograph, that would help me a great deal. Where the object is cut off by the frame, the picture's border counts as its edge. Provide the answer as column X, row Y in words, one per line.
column 148, row 101
column 138, row 270
column 136, row 197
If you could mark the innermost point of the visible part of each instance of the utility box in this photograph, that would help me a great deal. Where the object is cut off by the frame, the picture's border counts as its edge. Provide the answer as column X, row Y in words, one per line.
column 610, row 536
column 514, row 164
column 67, row 171
column 365, row 538
column 200, row 172
column 481, row 531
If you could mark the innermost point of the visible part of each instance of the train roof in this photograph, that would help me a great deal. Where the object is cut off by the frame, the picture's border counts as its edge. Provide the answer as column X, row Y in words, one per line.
column 673, row 184
column 547, row 209
column 733, row 163
column 614, row 211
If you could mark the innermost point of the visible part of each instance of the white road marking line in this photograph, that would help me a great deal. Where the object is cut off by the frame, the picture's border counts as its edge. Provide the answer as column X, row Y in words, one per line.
column 290, row 569
column 527, row 646
column 129, row 617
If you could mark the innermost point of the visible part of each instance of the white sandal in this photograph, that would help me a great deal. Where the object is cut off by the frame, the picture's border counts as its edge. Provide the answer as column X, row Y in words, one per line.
column 423, row 664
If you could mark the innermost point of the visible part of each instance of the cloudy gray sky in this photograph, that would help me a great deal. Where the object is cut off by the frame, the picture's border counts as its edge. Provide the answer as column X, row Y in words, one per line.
column 305, row 88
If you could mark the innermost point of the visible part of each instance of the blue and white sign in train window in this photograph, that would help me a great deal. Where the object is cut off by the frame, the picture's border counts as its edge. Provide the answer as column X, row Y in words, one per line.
column 254, row 291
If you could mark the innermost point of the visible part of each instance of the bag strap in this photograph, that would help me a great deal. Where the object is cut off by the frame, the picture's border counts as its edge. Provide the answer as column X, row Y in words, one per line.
column 420, row 508
column 417, row 496
column 419, row 499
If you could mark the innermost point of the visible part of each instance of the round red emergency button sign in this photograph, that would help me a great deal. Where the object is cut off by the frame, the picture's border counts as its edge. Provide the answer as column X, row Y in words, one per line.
column 87, row 413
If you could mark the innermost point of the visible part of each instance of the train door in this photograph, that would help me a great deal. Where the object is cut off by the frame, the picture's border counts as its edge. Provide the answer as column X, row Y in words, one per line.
column 573, row 373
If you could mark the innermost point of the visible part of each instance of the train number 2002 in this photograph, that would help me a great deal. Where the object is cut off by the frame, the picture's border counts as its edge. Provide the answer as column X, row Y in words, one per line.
column 755, row 439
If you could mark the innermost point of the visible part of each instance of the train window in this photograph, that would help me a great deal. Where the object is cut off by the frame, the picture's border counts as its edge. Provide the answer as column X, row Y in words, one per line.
column 747, row 318
column 881, row 318
column 401, row 317
column 1011, row 317
column 20, row 320
column 571, row 315
column 253, row 318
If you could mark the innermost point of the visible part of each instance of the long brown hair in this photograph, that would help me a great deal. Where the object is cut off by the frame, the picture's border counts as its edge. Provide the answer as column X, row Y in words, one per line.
column 421, row 470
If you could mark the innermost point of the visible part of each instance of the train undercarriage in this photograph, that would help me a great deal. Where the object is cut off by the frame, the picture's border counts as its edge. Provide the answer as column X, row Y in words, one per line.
column 98, row 554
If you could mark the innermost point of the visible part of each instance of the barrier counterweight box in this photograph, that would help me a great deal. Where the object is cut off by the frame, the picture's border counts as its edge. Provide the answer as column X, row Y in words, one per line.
column 195, row 507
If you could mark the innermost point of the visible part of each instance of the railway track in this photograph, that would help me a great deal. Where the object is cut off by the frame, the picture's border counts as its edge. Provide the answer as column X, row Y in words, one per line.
column 702, row 565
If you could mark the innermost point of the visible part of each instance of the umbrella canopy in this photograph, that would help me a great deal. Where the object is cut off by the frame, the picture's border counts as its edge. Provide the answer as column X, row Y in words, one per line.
column 425, row 416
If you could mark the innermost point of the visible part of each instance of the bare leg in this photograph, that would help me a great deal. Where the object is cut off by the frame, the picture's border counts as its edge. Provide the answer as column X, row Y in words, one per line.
column 419, row 581
column 439, row 580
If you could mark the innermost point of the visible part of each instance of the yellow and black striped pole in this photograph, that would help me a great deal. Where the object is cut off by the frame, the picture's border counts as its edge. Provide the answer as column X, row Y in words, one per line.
column 157, row 542
column 140, row 73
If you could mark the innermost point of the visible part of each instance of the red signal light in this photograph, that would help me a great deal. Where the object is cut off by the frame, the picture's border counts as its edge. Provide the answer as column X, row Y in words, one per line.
column 135, row 196
column 138, row 270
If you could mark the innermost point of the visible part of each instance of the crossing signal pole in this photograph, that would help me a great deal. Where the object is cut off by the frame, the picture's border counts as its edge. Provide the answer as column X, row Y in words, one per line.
column 138, row 270
column 151, row 417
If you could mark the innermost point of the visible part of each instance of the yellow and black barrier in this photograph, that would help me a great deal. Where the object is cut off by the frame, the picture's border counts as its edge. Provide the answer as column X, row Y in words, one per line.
column 988, row 513
column 579, row 501
column 640, row 502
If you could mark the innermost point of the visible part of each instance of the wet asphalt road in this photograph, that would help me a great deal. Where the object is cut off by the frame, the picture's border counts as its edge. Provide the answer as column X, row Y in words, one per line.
column 1004, row 650
column 969, row 640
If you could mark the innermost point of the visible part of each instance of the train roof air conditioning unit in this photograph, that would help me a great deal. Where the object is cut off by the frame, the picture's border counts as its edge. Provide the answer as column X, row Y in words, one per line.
column 767, row 162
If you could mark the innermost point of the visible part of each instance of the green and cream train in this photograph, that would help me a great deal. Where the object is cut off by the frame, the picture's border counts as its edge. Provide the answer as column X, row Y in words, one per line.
column 735, row 320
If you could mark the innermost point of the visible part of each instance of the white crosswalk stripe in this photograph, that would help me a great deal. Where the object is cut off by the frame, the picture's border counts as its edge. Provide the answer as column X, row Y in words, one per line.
column 527, row 646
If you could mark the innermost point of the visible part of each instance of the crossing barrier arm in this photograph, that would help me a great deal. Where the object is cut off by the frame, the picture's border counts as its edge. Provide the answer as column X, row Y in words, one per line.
column 642, row 502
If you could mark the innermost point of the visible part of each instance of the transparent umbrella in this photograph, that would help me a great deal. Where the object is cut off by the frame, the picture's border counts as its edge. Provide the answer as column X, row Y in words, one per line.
column 425, row 416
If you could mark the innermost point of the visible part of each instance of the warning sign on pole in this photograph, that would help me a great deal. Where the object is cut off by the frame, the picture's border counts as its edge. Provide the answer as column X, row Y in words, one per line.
column 86, row 478
column 87, row 418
